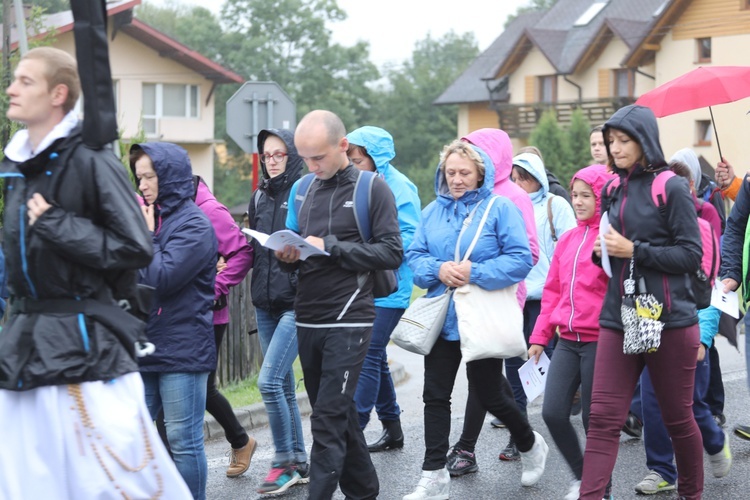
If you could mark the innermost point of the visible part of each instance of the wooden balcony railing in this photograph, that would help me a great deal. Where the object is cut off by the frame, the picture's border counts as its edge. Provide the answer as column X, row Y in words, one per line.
column 518, row 120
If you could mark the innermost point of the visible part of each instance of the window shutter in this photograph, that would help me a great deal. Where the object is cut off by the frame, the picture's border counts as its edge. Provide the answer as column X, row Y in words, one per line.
column 604, row 83
column 530, row 89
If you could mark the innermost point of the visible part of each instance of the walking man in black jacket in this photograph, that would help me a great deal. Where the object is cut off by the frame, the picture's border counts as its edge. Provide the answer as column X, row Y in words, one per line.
column 72, row 402
column 334, row 303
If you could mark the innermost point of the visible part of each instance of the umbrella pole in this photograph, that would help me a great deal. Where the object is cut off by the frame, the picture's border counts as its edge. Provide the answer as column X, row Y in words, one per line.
column 716, row 133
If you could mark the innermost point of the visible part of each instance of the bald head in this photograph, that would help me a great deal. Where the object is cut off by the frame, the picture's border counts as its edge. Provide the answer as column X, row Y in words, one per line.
column 321, row 141
column 322, row 121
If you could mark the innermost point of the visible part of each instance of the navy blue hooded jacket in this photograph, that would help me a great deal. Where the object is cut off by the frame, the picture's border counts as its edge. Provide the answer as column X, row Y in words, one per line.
column 182, row 272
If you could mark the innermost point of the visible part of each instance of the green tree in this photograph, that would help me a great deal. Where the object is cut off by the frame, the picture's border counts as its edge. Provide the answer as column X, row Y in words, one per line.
column 194, row 26
column 288, row 42
column 551, row 140
column 578, row 140
column 49, row 6
column 405, row 108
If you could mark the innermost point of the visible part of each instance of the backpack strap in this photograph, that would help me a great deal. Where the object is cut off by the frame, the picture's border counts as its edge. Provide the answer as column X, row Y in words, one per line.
column 362, row 197
column 611, row 186
column 607, row 191
column 549, row 217
column 302, row 188
column 659, row 188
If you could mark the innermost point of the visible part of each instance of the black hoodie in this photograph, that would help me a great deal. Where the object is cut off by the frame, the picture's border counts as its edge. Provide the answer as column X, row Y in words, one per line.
column 667, row 241
column 271, row 288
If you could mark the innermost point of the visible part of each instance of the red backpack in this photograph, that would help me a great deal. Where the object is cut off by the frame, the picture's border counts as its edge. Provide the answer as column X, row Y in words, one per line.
column 702, row 281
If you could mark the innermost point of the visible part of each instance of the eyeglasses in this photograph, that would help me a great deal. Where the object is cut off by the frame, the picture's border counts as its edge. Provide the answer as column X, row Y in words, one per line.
column 277, row 157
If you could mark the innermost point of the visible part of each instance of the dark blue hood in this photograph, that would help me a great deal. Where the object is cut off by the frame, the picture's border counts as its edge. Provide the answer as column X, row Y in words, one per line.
column 172, row 166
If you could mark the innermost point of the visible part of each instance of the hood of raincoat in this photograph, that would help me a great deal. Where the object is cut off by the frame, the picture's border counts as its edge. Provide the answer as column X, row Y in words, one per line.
column 294, row 163
column 534, row 166
column 595, row 176
column 378, row 143
column 469, row 197
column 497, row 145
column 639, row 123
column 689, row 158
column 174, row 172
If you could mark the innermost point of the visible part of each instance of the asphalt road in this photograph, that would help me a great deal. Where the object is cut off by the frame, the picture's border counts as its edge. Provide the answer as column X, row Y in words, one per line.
column 399, row 470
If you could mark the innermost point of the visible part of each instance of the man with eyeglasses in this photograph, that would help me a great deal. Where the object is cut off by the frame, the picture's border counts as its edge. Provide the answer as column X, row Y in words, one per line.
column 334, row 303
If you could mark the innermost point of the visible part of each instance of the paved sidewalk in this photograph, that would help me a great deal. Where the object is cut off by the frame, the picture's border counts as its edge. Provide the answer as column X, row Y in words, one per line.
column 255, row 415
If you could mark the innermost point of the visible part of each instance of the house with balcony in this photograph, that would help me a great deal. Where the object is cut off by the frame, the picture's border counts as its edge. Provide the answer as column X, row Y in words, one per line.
column 162, row 88
column 599, row 55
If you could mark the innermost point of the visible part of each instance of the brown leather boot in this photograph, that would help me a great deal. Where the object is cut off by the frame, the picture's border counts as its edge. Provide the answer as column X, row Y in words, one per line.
column 239, row 460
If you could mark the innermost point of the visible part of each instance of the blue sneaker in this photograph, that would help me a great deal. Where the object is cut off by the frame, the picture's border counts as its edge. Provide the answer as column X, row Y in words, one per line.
column 279, row 479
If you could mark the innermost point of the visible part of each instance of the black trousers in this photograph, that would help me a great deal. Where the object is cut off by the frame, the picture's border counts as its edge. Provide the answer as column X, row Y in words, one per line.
column 715, row 394
column 488, row 389
column 331, row 362
column 218, row 406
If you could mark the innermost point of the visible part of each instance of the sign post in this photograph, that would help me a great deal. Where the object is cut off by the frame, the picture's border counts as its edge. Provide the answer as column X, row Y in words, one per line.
column 254, row 107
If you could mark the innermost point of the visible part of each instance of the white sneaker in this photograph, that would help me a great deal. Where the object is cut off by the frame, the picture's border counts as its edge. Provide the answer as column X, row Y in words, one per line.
column 433, row 485
column 722, row 461
column 574, row 491
column 534, row 460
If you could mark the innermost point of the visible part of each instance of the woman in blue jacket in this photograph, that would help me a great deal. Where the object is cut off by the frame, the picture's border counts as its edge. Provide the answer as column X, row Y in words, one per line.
column 501, row 258
column 182, row 274
column 371, row 148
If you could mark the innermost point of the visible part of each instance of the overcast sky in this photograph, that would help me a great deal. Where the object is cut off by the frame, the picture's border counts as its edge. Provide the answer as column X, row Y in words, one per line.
column 393, row 26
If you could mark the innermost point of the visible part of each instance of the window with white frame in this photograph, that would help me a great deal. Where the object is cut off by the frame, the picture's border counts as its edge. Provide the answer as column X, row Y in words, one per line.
column 168, row 100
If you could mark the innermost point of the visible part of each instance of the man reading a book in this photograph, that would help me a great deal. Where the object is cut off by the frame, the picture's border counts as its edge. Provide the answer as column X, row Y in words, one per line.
column 334, row 303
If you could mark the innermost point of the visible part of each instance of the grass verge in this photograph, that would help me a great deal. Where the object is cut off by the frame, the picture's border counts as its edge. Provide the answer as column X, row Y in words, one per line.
column 246, row 392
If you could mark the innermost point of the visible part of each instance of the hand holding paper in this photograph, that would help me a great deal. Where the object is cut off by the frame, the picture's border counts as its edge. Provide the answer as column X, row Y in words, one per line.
column 533, row 376
column 726, row 302
column 279, row 239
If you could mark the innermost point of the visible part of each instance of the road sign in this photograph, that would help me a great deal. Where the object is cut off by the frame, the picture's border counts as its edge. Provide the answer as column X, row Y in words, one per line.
column 256, row 106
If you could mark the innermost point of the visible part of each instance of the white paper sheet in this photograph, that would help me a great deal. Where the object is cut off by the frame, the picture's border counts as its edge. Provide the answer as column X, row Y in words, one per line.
column 726, row 302
column 279, row 239
column 534, row 376
column 604, row 229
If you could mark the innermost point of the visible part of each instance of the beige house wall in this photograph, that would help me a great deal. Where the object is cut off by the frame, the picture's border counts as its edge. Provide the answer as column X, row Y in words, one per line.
column 134, row 64
column 679, row 131
column 534, row 64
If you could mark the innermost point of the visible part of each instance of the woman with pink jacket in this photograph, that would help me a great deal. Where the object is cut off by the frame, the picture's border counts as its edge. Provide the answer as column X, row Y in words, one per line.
column 571, row 302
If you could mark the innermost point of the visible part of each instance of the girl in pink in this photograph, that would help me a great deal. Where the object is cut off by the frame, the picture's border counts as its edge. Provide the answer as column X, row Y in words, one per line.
column 571, row 302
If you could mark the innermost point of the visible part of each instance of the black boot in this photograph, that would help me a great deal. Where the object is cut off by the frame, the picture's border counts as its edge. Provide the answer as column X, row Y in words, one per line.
column 391, row 438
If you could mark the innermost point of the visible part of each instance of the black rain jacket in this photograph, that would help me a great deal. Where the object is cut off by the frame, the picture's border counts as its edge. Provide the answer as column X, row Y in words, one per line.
column 91, row 240
column 668, row 242
column 273, row 289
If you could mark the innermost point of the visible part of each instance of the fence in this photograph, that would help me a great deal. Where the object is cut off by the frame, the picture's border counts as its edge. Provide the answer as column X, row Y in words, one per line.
column 240, row 355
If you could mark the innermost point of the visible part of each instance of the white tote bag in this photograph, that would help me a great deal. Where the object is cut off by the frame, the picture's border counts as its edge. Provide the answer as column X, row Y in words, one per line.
column 490, row 322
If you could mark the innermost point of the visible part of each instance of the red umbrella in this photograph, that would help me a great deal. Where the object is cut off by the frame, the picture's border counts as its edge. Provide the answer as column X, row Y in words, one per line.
column 702, row 87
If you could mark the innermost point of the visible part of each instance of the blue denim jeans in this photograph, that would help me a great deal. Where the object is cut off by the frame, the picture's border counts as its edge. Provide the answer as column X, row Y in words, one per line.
column 183, row 398
column 375, row 386
column 659, row 452
column 278, row 340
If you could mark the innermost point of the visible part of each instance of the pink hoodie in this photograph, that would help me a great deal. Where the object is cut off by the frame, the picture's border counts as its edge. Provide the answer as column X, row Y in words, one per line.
column 497, row 145
column 575, row 287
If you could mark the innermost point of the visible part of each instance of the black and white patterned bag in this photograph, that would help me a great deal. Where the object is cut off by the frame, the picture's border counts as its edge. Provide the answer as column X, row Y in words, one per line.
column 640, row 314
